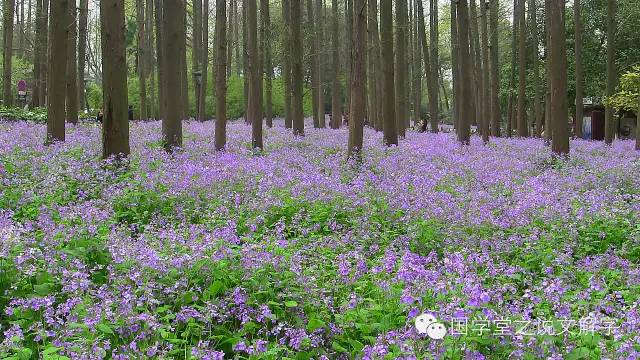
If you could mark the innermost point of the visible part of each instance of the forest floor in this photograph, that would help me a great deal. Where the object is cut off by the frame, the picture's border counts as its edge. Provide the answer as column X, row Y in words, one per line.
column 293, row 253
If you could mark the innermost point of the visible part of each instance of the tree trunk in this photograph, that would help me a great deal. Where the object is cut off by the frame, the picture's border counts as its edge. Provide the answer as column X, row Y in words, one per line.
column 57, row 71
column 141, row 59
column 231, row 40
column 434, row 78
column 320, row 46
column 297, row 75
column 511, row 119
column 150, row 63
column 313, row 63
column 536, row 109
column 455, row 66
column 417, row 65
column 204, row 64
column 184, row 79
column 221, row 72
column 358, row 93
column 196, row 54
column 422, row 33
column 523, row 130
column 72, row 66
column 39, row 51
column 558, row 67
column 7, row 53
column 253, row 59
column 476, row 65
column 348, row 45
column 115, row 130
column 161, row 64
column 577, row 19
column 609, row 121
column 336, row 110
column 495, row 69
column 174, row 39
column 401, row 67
column 548, row 128
column 268, row 67
column 390, row 131
column 82, row 52
column 286, row 63
column 373, row 58
column 245, row 63
column 486, row 101
column 466, row 94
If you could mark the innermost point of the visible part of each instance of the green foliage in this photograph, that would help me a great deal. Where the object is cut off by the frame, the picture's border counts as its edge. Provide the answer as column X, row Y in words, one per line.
column 628, row 97
column 17, row 113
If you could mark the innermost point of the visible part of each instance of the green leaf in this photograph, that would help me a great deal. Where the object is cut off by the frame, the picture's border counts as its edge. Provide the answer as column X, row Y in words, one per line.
column 105, row 329
column 337, row 347
column 290, row 304
column 315, row 324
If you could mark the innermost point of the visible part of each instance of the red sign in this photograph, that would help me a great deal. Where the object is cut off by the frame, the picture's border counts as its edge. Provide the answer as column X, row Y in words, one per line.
column 22, row 87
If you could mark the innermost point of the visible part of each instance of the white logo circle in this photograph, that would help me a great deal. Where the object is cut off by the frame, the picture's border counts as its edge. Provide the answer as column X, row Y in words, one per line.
column 428, row 324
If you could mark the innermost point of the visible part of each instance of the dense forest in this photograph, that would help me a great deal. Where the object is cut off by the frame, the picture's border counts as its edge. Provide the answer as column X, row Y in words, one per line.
column 320, row 179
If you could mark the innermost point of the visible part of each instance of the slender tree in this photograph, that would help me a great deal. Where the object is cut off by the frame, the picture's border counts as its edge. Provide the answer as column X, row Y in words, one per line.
column 39, row 53
column 476, row 64
column 296, row 69
column 204, row 64
column 221, row 73
column 495, row 69
column 182, row 55
column 72, row 66
column 455, row 66
column 160, row 59
column 466, row 93
column 141, row 59
column 373, row 59
column 486, row 100
column 336, row 110
column 286, row 63
column 57, row 71
column 319, row 45
column 548, row 128
column 558, row 67
column 417, row 63
column 313, row 63
column 7, row 53
column 609, row 121
column 196, row 53
column 358, row 92
column 174, row 39
column 266, row 52
column 115, row 129
column 253, row 59
column 522, row 71
column 512, row 101
column 401, row 66
column 390, row 131
column 434, row 67
column 536, row 108
column 82, row 51
column 577, row 20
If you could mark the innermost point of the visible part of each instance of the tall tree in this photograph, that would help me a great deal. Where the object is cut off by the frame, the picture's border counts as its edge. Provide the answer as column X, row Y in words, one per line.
column 455, row 66
column 196, row 53
column 476, row 64
column 319, row 45
column 336, row 110
column 268, row 66
column 495, row 68
column 174, row 40
column 115, row 129
column 286, row 63
column 72, row 66
column 204, row 53
column 373, row 58
column 577, row 20
column 434, row 67
column 466, row 93
column 558, row 68
column 182, row 54
column 401, row 66
column 245, row 62
column 39, row 53
column 390, row 130
column 548, row 128
column 141, row 59
column 512, row 100
column 522, row 71
column 416, row 69
column 425, row 55
column 486, row 101
column 313, row 63
column 609, row 121
column 348, row 48
column 82, row 51
column 7, row 53
column 253, row 59
column 160, row 58
column 358, row 92
column 221, row 73
column 536, row 108
column 296, row 69
column 59, row 33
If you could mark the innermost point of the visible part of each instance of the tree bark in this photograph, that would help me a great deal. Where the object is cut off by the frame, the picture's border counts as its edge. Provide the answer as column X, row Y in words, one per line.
column 82, row 52
column 390, row 131
column 72, row 66
column 577, row 18
column 486, row 100
column 358, row 92
column 427, row 59
column 161, row 64
column 320, row 46
column 336, row 109
column 268, row 67
column 512, row 102
column 173, row 11
column 221, row 73
column 417, row 65
column 609, row 121
column 253, row 59
column 536, row 109
column 7, row 53
column 196, row 53
column 495, row 69
column 313, row 63
column 466, row 93
column 141, row 59
column 39, row 52
column 455, row 66
column 57, row 71
column 204, row 63
column 523, row 130
column 434, row 78
column 548, row 128
column 184, row 78
column 373, row 84
column 558, row 67
column 476, row 65
column 286, row 63
column 401, row 67
column 296, row 64
column 115, row 129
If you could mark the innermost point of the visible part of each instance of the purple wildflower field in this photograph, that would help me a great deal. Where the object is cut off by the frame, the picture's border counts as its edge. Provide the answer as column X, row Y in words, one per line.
column 293, row 253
